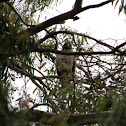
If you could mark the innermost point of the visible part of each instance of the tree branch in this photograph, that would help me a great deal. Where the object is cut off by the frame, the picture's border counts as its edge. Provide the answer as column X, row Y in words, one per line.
column 74, row 33
column 96, row 6
column 56, row 20
column 78, row 4
column 18, row 69
column 71, row 119
column 41, row 50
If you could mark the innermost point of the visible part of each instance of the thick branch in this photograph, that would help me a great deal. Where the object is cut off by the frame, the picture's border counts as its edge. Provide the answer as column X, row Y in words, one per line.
column 121, row 45
column 71, row 119
column 78, row 4
column 56, row 20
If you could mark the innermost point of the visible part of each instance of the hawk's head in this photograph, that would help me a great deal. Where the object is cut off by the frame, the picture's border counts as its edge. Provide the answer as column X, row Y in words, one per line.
column 67, row 46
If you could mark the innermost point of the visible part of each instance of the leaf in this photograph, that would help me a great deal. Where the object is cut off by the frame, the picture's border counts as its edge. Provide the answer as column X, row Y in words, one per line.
column 125, row 9
column 42, row 65
column 120, row 8
column 116, row 3
column 85, row 39
column 13, row 18
column 26, row 20
column 35, row 90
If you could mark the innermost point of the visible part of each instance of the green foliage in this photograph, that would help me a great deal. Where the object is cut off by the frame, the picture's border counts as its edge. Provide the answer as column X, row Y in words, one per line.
column 122, row 6
column 119, row 115
column 98, row 84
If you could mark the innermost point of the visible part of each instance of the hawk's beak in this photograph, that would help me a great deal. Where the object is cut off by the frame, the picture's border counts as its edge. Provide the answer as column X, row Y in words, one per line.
column 68, row 46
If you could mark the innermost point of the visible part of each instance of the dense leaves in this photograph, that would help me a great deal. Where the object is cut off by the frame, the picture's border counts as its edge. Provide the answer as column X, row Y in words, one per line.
column 27, row 60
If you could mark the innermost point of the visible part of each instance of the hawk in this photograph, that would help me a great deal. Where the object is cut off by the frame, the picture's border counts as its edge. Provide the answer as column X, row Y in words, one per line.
column 65, row 64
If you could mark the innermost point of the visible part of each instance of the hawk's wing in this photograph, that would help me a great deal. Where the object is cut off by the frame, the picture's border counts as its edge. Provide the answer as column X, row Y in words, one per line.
column 65, row 64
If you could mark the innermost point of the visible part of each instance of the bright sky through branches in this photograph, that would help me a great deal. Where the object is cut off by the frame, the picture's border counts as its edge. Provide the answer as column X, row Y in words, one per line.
column 103, row 22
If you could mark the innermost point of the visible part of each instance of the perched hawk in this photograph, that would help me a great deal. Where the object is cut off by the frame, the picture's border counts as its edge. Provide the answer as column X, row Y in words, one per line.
column 65, row 64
